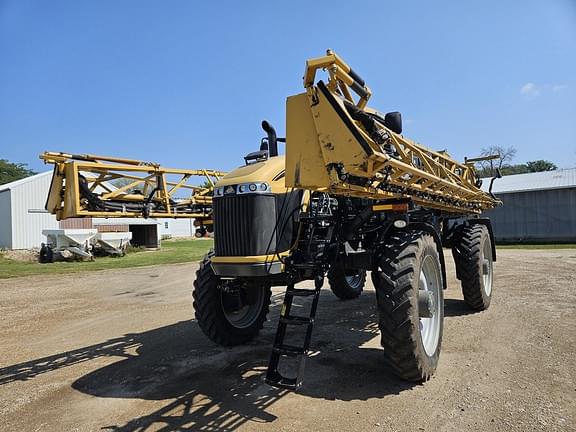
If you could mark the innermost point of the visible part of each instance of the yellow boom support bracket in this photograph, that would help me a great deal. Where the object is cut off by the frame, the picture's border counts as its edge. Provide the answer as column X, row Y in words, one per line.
column 102, row 186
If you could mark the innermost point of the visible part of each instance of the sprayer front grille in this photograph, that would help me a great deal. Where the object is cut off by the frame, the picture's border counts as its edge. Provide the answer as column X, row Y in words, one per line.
column 244, row 225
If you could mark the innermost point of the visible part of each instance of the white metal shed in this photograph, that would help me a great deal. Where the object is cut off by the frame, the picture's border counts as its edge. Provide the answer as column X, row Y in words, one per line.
column 23, row 217
column 22, row 213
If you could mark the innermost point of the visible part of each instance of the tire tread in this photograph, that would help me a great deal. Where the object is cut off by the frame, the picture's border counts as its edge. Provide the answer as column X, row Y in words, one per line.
column 394, row 283
column 467, row 254
column 207, row 307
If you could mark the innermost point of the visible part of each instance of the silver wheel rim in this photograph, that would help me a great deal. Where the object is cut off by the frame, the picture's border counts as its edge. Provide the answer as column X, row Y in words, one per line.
column 354, row 281
column 430, row 327
column 245, row 315
column 487, row 264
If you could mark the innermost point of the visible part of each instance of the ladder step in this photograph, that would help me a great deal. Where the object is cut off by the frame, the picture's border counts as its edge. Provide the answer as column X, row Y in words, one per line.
column 280, row 350
column 296, row 320
column 275, row 379
column 301, row 292
column 289, row 350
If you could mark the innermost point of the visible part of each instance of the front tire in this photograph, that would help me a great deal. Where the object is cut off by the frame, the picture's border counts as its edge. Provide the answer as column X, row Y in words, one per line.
column 232, row 317
column 346, row 285
column 472, row 254
column 408, row 282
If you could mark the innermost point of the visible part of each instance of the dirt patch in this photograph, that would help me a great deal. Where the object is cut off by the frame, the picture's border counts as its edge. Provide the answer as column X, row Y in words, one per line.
column 118, row 350
column 24, row 255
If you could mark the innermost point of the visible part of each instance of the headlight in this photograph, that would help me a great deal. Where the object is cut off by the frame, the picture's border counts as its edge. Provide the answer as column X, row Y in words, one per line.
column 256, row 187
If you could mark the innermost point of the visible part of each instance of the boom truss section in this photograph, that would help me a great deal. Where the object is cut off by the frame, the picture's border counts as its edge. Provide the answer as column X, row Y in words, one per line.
column 337, row 145
column 101, row 186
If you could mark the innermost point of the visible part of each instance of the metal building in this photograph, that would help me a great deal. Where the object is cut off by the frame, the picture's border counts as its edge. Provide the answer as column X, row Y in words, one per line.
column 22, row 214
column 538, row 207
column 23, row 217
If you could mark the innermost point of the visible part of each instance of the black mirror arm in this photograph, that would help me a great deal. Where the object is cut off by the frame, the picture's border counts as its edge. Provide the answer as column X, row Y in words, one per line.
column 497, row 176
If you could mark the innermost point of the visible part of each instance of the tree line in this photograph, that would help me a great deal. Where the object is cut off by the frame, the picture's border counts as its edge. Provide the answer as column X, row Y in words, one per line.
column 10, row 172
column 504, row 163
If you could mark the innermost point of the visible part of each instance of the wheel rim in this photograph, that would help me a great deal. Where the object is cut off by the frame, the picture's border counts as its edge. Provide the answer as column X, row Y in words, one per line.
column 354, row 281
column 430, row 327
column 237, row 311
column 487, row 264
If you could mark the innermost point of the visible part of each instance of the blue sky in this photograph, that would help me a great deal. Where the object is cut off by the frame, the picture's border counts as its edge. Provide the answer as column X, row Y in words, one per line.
column 187, row 83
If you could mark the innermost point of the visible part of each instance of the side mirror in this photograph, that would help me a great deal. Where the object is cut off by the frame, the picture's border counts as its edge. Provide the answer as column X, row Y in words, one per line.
column 393, row 121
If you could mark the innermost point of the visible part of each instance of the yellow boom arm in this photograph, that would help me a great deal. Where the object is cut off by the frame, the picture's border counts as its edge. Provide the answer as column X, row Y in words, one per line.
column 102, row 186
column 340, row 146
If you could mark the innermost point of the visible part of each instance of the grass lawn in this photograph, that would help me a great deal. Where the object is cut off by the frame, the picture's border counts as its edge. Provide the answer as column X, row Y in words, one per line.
column 173, row 251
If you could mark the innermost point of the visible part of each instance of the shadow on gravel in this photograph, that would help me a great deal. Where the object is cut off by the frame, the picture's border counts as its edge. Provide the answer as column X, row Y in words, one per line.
column 212, row 388
column 207, row 387
column 457, row 307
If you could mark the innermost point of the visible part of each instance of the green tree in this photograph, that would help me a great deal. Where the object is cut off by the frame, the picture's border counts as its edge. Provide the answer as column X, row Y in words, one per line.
column 514, row 169
column 10, row 172
column 540, row 165
column 528, row 167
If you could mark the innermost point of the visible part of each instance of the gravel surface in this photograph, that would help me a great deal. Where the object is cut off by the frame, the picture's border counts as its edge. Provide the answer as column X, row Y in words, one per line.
column 117, row 350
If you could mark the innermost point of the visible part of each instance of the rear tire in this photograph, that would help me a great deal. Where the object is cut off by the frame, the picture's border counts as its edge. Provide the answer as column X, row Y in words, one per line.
column 228, row 318
column 409, row 266
column 472, row 253
column 346, row 285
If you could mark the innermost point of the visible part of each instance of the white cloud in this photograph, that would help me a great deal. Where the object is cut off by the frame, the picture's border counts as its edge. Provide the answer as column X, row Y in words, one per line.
column 531, row 90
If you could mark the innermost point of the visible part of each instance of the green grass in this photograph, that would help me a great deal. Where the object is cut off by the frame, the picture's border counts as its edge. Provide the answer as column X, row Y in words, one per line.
column 537, row 246
column 172, row 252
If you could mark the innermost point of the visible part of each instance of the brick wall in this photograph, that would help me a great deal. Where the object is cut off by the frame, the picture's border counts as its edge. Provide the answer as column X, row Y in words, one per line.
column 86, row 223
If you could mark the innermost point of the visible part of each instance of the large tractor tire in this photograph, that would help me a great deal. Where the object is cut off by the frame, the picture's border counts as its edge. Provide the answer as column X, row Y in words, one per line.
column 228, row 317
column 472, row 252
column 346, row 285
column 408, row 282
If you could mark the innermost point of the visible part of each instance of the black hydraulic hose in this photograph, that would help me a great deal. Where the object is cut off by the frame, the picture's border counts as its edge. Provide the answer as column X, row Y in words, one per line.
column 369, row 121
column 96, row 203
column 286, row 221
column 146, row 206
column 281, row 212
column 149, row 198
